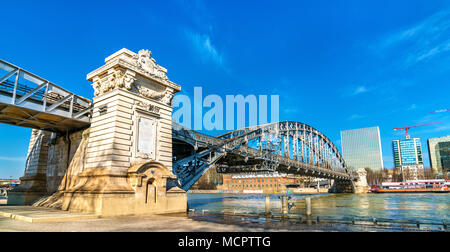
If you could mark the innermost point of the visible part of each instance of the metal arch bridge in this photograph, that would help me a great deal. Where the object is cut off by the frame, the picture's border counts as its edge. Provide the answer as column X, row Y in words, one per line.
column 28, row 100
column 288, row 147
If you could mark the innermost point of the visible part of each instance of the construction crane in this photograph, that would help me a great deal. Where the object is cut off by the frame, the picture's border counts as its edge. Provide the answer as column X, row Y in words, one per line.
column 440, row 111
column 406, row 128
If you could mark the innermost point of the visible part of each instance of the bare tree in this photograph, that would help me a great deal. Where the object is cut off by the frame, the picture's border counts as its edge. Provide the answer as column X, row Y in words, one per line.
column 209, row 181
column 397, row 175
column 429, row 173
column 375, row 177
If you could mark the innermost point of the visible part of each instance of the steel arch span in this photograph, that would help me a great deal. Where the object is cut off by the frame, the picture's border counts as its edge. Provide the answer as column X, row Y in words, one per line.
column 288, row 147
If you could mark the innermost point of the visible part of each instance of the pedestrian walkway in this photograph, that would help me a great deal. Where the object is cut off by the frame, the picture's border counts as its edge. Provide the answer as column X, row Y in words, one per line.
column 39, row 214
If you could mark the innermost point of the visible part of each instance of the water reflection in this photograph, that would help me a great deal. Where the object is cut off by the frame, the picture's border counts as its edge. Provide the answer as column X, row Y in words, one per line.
column 418, row 207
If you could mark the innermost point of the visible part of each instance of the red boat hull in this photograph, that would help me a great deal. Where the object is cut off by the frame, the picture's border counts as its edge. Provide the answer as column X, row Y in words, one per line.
column 412, row 190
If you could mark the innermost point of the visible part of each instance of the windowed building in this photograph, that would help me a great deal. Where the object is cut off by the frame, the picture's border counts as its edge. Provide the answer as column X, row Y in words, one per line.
column 265, row 181
column 439, row 151
column 361, row 148
column 408, row 157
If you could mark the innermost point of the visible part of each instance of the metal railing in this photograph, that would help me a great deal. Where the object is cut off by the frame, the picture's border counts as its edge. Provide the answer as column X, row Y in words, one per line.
column 43, row 95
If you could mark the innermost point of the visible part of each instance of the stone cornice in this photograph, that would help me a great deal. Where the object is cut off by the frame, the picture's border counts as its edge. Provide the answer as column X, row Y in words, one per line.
column 120, row 62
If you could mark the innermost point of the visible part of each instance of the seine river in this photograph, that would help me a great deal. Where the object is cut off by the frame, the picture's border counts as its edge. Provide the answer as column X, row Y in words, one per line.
column 429, row 208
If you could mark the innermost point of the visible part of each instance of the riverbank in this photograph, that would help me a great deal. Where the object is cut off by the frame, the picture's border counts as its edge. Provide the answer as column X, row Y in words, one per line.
column 179, row 223
column 245, row 213
column 374, row 208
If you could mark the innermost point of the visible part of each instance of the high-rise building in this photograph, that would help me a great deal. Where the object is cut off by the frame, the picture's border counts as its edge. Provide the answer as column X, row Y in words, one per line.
column 408, row 157
column 361, row 148
column 407, row 152
column 439, row 150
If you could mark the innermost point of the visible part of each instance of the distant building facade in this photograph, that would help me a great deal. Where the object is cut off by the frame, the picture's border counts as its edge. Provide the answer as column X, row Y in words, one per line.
column 4, row 183
column 407, row 152
column 439, row 151
column 267, row 181
column 361, row 148
column 408, row 157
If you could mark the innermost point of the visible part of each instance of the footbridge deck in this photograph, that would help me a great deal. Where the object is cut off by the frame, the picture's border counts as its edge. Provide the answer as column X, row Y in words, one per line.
column 28, row 100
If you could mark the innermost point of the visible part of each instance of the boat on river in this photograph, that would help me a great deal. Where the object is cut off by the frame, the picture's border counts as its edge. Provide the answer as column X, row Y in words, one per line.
column 414, row 186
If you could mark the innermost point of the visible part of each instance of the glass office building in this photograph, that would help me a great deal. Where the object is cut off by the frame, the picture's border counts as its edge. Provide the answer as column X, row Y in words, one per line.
column 407, row 152
column 444, row 152
column 439, row 150
column 361, row 148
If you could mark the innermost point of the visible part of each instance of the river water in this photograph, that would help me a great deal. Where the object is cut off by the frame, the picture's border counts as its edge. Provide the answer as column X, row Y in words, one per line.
column 429, row 208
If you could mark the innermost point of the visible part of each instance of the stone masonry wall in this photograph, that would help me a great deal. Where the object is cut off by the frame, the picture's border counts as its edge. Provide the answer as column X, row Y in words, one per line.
column 37, row 153
column 112, row 141
column 58, row 156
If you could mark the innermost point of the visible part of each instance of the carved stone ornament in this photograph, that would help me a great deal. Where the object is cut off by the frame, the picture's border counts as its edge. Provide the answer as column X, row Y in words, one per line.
column 148, row 107
column 145, row 61
column 168, row 96
column 116, row 78
column 165, row 96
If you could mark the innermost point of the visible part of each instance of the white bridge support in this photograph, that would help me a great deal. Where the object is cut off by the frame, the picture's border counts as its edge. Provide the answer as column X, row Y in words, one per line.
column 116, row 161
column 127, row 168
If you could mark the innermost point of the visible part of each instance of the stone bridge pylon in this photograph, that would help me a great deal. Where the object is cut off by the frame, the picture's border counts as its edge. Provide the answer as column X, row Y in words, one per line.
column 122, row 163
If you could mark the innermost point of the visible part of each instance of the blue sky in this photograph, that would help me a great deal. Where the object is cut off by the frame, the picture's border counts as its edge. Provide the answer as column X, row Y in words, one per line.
column 335, row 64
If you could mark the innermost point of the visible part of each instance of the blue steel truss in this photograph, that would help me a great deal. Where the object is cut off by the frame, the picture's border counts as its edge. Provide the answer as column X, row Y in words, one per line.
column 289, row 147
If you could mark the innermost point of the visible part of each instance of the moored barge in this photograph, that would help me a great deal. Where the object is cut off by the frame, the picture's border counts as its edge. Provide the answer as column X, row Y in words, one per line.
column 414, row 186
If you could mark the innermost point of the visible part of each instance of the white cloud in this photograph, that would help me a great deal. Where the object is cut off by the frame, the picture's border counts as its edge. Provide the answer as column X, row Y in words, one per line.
column 204, row 47
column 360, row 90
column 422, row 41
column 356, row 91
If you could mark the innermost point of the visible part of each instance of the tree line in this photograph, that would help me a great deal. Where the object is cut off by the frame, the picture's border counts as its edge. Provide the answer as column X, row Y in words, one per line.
column 397, row 175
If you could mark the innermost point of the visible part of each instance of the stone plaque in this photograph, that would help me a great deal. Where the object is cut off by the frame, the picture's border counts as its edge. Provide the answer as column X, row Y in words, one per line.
column 146, row 137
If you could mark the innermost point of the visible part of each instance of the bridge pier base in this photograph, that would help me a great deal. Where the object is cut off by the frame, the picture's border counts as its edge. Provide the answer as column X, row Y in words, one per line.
column 33, row 184
column 342, row 186
column 361, row 184
column 348, row 186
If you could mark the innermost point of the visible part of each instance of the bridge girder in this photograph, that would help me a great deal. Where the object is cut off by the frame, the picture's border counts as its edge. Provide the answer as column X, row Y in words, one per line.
column 309, row 152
